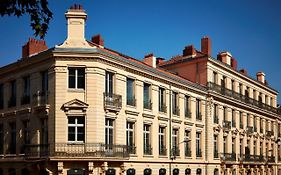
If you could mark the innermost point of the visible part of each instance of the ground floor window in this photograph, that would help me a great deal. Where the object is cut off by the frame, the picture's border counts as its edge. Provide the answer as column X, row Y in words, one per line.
column 76, row 172
column 110, row 171
column 131, row 171
column 216, row 171
column 198, row 171
column 147, row 171
column 162, row 171
column 176, row 171
column 187, row 171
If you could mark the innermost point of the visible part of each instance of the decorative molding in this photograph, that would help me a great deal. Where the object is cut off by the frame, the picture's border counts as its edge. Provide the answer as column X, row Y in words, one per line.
column 148, row 115
column 174, row 120
column 163, row 118
column 199, row 125
column 75, row 107
column 129, row 112
column 130, row 119
column 188, row 123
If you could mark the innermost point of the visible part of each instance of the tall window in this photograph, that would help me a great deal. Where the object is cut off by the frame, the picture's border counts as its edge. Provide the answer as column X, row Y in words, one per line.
column 224, row 145
column 26, row 134
column 241, row 146
column 1, row 96
column 146, row 96
column 175, row 105
column 162, row 105
column 233, row 118
column 198, row 109
column 216, row 155
column 45, row 81
column 187, row 106
column 255, row 124
column 26, row 91
column 248, row 120
column 187, row 143
column 146, row 139
column 109, row 131
column 198, row 145
column 261, row 147
column 233, row 146
column 1, row 138
column 130, row 92
column 175, row 142
column 130, row 137
column 215, row 77
column 44, row 131
column 76, row 78
column 232, row 85
column 216, row 118
column 241, row 120
column 13, row 97
column 76, row 129
column 255, row 150
column 109, row 83
column 13, row 141
column 162, row 147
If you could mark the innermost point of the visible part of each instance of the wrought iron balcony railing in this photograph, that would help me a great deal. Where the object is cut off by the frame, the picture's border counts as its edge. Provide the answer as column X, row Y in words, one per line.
column 25, row 99
column 216, row 119
column 199, row 116
column 147, row 104
column 188, row 152
column 131, row 101
column 175, row 151
column 147, row 150
column 40, row 98
column 187, row 113
column 112, row 101
column 271, row 159
column 233, row 123
column 91, row 150
column 216, row 154
column 250, row 130
column 251, row 158
column 162, row 150
column 131, row 149
column 163, row 108
column 228, row 156
column 226, row 124
column 36, row 151
column 176, row 110
column 230, row 93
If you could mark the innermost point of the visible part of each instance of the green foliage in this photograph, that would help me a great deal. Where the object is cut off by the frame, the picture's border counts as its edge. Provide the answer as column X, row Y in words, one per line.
column 38, row 10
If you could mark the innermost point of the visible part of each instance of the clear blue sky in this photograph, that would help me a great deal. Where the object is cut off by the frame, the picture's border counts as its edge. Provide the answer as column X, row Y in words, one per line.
column 250, row 30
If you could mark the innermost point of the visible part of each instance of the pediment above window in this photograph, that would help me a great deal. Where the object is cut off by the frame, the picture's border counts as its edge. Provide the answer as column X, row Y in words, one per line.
column 75, row 106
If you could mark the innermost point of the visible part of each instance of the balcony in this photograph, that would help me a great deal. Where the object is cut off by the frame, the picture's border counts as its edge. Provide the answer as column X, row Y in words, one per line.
column 40, row 98
column 187, row 113
column 199, row 116
column 230, row 93
column 228, row 156
column 131, row 149
column 226, row 124
column 163, row 108
column 271, row 159
column 25, row 99
column 12, row 102
column 131, row 101
column 187, row 152
column 251, row 158
column 250, row 130
column 37, row 151
column 112, row 102
column 96, row 150
column 176, row 110
column 162, row 151
column 216, row 119
column 175, row 151
column 147, row 104
column 147, row 150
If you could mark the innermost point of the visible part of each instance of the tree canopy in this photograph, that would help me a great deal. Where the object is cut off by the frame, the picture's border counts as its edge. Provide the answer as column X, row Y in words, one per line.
column 40, row 14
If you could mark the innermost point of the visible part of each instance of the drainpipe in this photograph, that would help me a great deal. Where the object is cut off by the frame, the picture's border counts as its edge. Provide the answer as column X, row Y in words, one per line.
column 206, row 126
column 170, row 130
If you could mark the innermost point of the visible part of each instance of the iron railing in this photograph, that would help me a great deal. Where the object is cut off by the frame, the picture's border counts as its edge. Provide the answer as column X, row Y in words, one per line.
column 175, row 151
column 40, row 98
column 269, row 133
column 131, row 149
column 36, row 151
column 163, row 108
column 230, row 93
column 216, row 119
column 233, row 123
column 131, row 101
column 250, row 130
column 162, row 150
column 176, row 110
column 228, row 156
column 226, row 124
column 216, row 154
column 198, row 153
column 147, row 150
column 112, row 101
column 251, row 158
column 188, row 152
column 147, row 104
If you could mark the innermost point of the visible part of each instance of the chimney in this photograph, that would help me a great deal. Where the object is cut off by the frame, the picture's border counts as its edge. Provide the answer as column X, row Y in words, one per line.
column 97, row 39
column 233, row 63
column 76, row 18
column 33, row 46
column 225, row 57
column 189, row 51
column 206, row 45
column 243, row 71
column 150, row 60
column 261, row 77
column 159, row 60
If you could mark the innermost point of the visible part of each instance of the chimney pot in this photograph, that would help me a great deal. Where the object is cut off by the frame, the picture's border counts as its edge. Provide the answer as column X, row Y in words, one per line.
column 33, row 46
column 150, row 60
column 244, row 71
column 225, row 57
column 189, row 51
column 97, row 39
column 206, row 45
column 261, row 77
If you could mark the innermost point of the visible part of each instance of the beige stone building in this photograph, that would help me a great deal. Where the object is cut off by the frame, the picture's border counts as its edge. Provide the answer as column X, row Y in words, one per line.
column 81, row 108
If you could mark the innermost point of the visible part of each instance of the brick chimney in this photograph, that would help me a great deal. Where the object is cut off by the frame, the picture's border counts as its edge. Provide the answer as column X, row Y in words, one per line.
column 233, row 63
column 97, row 39
column 189, row 51
column 159, row 60
column 150, row 60
column 225, row 57
column 261, row 77
column 243, row 71
column 33, row 46
column 206, row 45
column 76, row 18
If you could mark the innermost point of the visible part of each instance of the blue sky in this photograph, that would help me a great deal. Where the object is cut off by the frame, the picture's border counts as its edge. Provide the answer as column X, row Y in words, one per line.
column 250, row 30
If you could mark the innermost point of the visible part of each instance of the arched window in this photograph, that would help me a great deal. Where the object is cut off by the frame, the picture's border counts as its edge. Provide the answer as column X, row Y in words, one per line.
column 147, row 171
column 162, row 171
column 198, row 171
column 187, row 171
column 176, row 171
column 216, row 171
column 131, row 171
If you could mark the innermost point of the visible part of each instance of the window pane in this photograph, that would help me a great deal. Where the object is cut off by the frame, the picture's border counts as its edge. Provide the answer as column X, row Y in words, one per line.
column 71, row 120
column 81, row 78
column 71, row 78
column 80, row 120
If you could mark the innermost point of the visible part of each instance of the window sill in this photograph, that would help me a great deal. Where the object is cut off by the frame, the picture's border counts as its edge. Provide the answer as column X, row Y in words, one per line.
column 131, row 106
column 75, row 143
column 76, row 90
column 150, row 156
column 163, row 156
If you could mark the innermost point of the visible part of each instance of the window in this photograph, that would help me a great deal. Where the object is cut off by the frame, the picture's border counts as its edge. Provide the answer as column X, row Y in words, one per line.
column 26, row 91
column 187, row 106
column 261, row 148
column 248, row 120
column 241, row 146
column 241, row 120
column 255, row 124
column 198, row 145
column 187, row 136
column 44, row 131
column 109, row 133
column 175, row 105
column 198, row 110
column 146, row 139
column 1, row 96
column 233, row 146
column 13, row 141
column 45, row 81
column 76, row 129
column 224, row 145
column 224, row 113
column 76, row 78
column 175, row 142
column 255, row 150
column 130, row 137
column 232, row 85
column 215, row 77
column 233, row 118
column 26, row 138
column 13, row 97
column 146, row 96
column 216, row 155
column 130, row 92
column 1, row 139
column 239, row 88
column 162, row 105
column 216, row 118
column 162, row 147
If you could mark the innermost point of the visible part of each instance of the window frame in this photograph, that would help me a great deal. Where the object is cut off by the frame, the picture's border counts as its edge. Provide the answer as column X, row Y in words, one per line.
column 76, row 125
column 76, row 78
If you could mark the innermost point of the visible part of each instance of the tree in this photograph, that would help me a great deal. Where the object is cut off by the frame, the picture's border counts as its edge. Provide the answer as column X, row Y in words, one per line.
column 38, row 10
